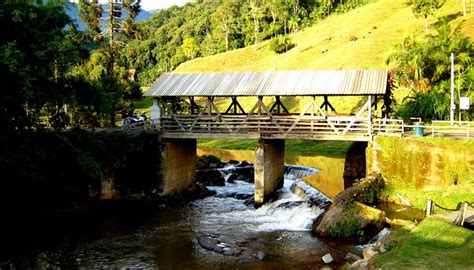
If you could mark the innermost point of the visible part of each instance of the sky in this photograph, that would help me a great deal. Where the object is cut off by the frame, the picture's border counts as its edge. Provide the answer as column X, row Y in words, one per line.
column 156, row 4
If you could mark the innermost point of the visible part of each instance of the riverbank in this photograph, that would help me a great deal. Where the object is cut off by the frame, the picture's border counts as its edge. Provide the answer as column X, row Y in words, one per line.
column 325, row 148
column 433, row 244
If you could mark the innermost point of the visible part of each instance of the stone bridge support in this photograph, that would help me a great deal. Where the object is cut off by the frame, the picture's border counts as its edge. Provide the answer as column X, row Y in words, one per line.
column 269, row 169
column 178, row 165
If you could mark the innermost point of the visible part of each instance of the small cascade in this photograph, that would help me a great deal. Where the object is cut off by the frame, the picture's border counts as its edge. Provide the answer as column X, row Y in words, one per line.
column 298, row 172
column 312, row 195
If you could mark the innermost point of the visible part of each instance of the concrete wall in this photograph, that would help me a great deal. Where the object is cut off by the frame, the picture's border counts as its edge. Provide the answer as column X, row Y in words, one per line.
column 269, row 168
column 178, row 165
column 421, row 163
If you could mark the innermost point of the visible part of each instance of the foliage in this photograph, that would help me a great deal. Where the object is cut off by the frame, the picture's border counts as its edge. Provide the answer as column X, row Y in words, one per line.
column 110, row 70
column 190, row 47
column 37, row 49
column 281, row 44
column 437, row 244
column 429, row 106
column 424, row 67
column 217, row 26
column 424, row 8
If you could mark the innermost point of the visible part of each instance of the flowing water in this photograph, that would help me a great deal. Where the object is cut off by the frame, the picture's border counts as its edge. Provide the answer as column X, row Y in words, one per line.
column 275, row 236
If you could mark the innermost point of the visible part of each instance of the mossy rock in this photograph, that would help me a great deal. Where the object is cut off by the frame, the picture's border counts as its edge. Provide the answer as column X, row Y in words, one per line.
column 354, row 221
column 367, row 191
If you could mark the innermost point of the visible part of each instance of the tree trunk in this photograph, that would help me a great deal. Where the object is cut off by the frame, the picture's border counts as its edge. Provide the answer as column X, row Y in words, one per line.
column 464, row 7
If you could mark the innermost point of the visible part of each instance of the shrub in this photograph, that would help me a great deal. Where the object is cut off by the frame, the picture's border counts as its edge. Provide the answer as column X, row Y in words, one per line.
column 281, row 44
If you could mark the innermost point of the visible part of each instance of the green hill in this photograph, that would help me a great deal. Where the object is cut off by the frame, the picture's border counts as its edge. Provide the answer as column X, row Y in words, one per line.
column 327, row 45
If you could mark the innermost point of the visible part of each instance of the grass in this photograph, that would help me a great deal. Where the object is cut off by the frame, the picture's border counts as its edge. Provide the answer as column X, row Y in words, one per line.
column 448, row 197
column 326, row 148
column 434, row 244
column 377, row 26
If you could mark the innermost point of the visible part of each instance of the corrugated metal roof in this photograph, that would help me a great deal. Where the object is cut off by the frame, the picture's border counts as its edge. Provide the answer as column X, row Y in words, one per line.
column 272, row 83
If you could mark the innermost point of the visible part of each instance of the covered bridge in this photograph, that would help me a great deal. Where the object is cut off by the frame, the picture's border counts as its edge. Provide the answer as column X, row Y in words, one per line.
column 275, row 121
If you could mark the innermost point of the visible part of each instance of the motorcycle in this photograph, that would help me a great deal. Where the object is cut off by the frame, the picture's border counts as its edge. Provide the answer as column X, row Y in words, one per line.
column 134, row 119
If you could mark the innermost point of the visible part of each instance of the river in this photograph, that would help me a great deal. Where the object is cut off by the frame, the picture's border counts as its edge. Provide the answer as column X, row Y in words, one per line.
column 275, row 236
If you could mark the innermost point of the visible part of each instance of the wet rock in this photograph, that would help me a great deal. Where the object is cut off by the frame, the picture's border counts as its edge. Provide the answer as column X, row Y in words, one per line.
column 327, row 258
column 207, row 162
column 243, row 196
column 260, row 255
column 232, row 252
column 291, row 204
column 350, row 257
column 219, row 248
column 232, row 177
column 314, row 196
column 245, row 174
column 244, row 163
column 369, row 253
column 359, row 265
column 208, row 243
column 210, row 177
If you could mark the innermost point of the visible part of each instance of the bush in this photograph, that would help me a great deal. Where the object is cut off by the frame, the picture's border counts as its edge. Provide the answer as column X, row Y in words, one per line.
column 281, row 44
column 428, row 106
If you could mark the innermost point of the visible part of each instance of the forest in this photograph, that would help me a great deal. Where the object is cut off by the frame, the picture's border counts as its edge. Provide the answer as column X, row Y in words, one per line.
column 55, row 75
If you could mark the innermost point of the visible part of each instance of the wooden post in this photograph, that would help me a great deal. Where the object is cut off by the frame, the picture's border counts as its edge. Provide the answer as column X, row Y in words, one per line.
column 369, row 110
column 429, row 208
column 462, row 215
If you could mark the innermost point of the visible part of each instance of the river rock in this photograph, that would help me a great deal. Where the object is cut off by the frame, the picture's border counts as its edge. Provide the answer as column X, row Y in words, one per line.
column 208, row 243
column 369, row 253
column 359, row 265
column 355, row 221
column 350, row 257
column 232, row 177
column 327, row 258
column 210, row 177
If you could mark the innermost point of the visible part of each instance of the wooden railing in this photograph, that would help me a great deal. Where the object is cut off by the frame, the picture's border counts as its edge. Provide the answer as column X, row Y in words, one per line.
column 310, row 127
column 287, row 126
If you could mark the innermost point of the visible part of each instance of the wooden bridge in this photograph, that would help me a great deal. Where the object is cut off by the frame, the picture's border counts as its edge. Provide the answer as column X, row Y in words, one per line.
column 271, row 125
column 273, row 122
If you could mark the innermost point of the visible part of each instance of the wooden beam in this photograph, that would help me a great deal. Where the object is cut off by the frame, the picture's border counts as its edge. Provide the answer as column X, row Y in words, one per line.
column 327, row 104
column 235, row 105
column 278, row 105
column 357, row 117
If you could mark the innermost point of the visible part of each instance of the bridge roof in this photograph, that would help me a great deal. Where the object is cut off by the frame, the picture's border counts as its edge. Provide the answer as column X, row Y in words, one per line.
column 272, row 83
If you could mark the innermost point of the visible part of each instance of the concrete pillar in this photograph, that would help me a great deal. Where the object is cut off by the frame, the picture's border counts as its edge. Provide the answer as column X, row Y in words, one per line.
column 269, row 169
column 178, row 165
column 155, row 113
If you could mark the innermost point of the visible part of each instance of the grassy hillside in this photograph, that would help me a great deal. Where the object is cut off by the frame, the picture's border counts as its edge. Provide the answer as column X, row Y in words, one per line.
column 377, row 27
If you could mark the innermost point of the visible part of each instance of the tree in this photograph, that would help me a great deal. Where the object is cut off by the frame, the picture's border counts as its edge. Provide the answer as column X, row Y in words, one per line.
column 225, row 19
column 91, row 12
column 424, row 8
column 424, row 67
column 37, row 48
column 190, row 47
column 256, row 10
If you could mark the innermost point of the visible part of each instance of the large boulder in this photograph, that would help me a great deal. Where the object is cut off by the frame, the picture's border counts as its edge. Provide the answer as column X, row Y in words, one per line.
column 355, row 221
column 367, row 191
column 349, row 217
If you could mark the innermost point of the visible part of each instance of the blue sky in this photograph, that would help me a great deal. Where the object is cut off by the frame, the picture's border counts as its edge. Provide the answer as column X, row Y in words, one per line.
column 156, row 4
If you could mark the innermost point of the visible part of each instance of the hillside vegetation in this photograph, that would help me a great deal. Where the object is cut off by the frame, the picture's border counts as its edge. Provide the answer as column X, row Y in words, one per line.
column 377, row 27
